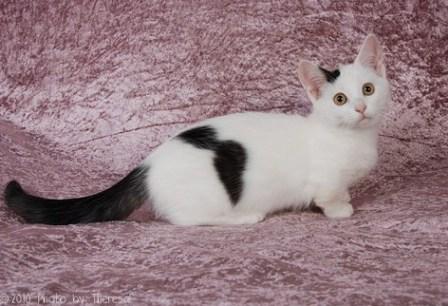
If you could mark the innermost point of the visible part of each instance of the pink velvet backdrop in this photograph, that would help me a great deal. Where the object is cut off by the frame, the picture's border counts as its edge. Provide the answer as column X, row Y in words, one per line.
column 88, row 88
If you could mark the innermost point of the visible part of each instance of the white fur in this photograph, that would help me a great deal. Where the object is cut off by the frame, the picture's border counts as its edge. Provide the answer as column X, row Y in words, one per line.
column 291, row 160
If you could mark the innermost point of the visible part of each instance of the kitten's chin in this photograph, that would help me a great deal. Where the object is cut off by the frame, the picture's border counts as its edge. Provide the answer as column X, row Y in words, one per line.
column 366, row 122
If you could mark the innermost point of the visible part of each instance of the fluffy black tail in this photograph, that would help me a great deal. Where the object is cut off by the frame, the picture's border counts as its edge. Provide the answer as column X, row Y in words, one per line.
column 115, row 203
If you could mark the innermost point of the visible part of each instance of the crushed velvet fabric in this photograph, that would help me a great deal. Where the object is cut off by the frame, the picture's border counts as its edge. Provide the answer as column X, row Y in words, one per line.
column 89, row 88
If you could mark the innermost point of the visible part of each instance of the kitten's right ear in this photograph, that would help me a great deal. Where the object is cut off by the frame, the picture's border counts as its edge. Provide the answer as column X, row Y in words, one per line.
column 371, row 55
column 312, row 79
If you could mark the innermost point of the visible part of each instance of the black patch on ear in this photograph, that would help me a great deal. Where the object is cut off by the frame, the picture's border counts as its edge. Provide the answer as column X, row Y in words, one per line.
column 230, row 162
column 230, row 158
column 331, row 76
column 203, row 137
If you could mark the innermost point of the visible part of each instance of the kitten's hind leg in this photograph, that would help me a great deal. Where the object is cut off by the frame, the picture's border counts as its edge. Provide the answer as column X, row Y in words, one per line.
column 233, row 218
column 243, row 218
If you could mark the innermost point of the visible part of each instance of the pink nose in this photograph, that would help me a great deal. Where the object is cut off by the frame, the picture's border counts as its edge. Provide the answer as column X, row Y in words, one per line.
column 361, row 108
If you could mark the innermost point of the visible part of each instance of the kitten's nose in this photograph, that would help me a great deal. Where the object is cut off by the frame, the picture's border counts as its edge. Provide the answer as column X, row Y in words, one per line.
column 361, row 108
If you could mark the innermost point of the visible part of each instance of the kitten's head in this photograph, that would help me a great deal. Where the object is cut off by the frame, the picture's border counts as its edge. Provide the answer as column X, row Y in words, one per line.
column 352, row 96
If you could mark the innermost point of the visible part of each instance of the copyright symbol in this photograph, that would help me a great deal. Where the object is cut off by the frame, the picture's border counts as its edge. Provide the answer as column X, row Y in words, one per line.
column 4, row 299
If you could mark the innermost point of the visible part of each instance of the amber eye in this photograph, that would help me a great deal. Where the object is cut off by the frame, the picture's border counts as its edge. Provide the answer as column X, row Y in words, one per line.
column 368, row 89
column 340, row 99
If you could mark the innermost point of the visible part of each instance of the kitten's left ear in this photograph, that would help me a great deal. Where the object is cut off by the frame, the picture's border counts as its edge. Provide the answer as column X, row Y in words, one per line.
column 312, row 79
column 371, row 55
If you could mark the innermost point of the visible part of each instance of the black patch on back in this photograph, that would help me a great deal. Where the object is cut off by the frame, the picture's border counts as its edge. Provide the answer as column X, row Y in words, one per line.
column 203, row 137
column 230, row 162
column 331, row 76
column 230, row 158
column 115, row 203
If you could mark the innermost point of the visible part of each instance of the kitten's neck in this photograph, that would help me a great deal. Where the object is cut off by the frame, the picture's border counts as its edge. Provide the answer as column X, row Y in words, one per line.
column 322, row 123
column 366, row 134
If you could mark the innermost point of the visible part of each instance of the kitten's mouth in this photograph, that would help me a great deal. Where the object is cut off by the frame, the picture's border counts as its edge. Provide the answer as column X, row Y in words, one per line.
column 364, row 118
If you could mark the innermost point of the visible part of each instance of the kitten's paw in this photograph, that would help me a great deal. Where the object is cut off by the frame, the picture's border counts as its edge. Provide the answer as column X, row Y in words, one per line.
column 230, row 219
column 338, row 211
column 249, row 219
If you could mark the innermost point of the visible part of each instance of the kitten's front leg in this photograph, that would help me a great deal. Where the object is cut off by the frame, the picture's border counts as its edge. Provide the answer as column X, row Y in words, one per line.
column 335, row 205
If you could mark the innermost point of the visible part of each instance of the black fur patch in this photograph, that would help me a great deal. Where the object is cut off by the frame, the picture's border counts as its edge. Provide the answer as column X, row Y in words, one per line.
column 314, row 208
column 115, row 203
column 230, row 162
column 203, row 137
column 230, row 158
column 331, row 76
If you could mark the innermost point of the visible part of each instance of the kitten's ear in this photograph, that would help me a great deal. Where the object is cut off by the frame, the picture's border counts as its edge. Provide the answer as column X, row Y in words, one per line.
column 312, row 79
column 371, row 55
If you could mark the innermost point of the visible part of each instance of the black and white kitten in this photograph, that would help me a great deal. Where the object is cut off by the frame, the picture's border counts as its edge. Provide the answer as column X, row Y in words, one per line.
column 238, row 168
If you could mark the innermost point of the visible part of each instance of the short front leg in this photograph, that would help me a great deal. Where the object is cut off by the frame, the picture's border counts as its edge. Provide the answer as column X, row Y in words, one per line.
column 335, row 205
column 338, row 210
